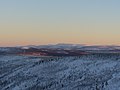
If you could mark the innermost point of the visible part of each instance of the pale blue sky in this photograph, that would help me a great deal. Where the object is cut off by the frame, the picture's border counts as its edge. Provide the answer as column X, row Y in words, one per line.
column 65, row 21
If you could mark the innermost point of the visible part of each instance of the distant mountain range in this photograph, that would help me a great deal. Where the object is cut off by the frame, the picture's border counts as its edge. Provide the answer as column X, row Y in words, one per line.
column 59, row 50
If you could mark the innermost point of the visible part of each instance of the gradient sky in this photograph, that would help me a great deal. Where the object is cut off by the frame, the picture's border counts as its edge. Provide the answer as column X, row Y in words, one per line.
column 36, row 22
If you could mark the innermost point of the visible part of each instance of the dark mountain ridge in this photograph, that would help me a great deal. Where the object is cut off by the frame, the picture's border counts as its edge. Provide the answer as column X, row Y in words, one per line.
column 59, row 50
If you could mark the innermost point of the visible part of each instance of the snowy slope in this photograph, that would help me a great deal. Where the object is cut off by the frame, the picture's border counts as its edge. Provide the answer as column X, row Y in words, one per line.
column 91, row 72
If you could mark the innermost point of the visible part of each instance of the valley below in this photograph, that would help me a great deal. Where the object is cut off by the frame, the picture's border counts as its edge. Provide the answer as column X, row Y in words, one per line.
column 84, row 72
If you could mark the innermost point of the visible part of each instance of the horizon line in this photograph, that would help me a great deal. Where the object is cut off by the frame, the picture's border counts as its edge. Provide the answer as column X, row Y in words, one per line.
column 61, row 44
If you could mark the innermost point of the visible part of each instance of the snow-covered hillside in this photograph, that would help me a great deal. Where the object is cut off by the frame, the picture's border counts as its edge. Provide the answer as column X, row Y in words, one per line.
column 87, row 72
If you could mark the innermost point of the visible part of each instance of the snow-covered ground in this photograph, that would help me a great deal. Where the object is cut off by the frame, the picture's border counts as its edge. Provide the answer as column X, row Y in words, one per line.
column 89, row 72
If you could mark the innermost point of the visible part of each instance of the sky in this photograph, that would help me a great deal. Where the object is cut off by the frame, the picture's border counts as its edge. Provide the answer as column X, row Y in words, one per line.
column 38, row 22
